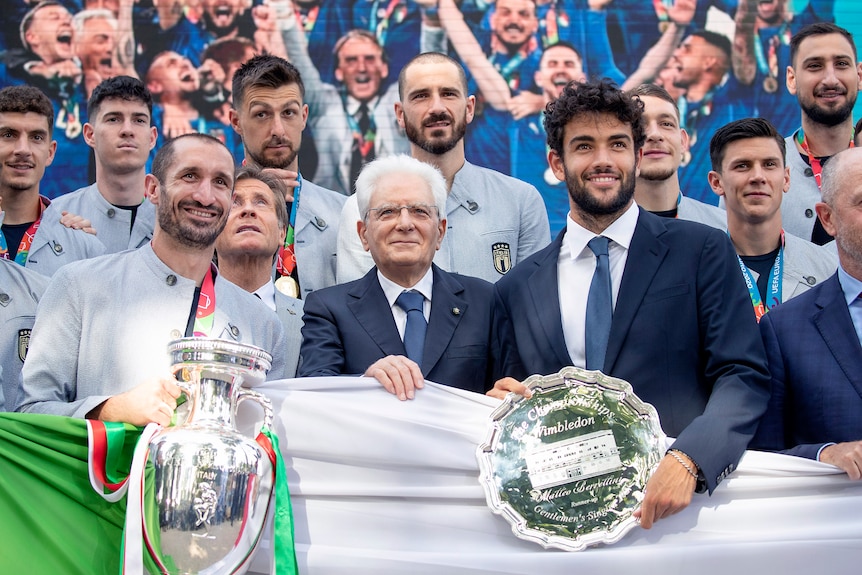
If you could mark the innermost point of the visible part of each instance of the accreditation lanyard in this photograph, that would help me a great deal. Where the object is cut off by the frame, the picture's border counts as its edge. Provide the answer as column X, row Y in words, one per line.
column 767, row 63
column 554, row 18
column 362, row 140
column 308, row 19
column 509, row 69
column 285, row 263
column 380, row 26
column 775, row 281
column 26, row 241
column 205, row 313
column 691, row 114
column 816, row 164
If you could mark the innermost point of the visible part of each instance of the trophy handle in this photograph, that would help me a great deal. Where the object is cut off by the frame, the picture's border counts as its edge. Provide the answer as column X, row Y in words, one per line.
column 259, row 398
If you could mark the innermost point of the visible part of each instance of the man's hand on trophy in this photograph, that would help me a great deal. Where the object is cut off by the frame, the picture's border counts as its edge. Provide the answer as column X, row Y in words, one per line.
column 504, row 386
column 667, row 492
column 400, row 375
column 153, row 401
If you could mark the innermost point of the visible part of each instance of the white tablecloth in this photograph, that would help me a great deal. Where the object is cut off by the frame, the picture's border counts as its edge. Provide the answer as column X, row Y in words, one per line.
column 381, row 486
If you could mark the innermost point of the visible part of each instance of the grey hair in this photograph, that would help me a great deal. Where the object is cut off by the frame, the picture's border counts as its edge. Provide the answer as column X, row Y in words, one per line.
column 399, row 164
column 79, row 19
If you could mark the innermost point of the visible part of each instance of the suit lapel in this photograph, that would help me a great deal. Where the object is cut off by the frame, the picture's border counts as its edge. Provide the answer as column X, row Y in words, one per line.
column 445, row 297
column 646, row 254
column 836, row 328
column 369, row 306
column 543, row 285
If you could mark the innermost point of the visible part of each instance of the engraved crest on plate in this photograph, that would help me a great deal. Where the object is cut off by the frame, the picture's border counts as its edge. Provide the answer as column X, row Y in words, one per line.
column 567, row 467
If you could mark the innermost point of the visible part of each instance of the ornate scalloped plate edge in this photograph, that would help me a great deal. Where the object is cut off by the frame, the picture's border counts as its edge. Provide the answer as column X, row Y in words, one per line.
column 604, row 443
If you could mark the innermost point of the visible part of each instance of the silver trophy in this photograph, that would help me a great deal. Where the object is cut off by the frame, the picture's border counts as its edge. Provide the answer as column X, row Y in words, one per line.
column 212, row 485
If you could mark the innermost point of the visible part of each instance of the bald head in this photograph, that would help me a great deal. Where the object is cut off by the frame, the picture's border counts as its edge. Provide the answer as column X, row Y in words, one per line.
column 839, row 211
column 841, row 174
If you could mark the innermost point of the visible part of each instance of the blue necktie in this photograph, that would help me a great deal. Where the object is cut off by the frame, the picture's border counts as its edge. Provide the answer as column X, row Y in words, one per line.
column 414, row 332
column 599, row 306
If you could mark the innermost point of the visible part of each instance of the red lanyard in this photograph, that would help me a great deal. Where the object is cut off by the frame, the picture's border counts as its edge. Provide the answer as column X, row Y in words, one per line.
column 816, row 165
column 26, row 241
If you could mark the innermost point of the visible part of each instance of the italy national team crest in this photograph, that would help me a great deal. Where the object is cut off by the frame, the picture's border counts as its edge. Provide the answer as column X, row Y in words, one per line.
column 23, row 343
column 502, row 257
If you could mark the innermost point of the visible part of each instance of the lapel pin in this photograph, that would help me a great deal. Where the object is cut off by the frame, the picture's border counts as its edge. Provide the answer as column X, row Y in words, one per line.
column 456, row 311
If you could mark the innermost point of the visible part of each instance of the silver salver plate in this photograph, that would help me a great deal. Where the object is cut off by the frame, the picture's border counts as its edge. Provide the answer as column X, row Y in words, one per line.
column 567, row 467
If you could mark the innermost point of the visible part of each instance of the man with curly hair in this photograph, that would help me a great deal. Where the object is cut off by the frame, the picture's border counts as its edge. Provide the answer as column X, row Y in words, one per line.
column 657, row 302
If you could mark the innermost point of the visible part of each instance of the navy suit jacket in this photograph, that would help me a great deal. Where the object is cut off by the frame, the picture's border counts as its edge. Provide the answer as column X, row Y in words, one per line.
column 683, row 334
column 349, row 326
column 815, row 360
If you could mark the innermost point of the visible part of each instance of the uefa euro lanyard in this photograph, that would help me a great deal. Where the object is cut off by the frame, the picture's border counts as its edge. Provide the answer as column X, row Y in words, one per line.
column 816, row 164
column 286, row 261
column 205, row 313
column 380, row 25
column 26, row 241
column 775, row 284
column 308, row 18
column 767, row 62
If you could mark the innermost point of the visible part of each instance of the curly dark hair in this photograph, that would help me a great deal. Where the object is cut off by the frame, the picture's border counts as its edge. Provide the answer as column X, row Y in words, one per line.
column 593, row 98
column 23, row 99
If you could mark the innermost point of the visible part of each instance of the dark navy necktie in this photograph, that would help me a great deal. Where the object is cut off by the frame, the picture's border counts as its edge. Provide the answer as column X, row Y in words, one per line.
column 599, row 306
column 414, row 332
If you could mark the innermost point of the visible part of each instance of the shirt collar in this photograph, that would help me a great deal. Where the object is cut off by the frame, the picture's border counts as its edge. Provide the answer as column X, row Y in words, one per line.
column 392, row 290
column 353, row 104
column 620, row 232
column 851, row 286
column 266, row 293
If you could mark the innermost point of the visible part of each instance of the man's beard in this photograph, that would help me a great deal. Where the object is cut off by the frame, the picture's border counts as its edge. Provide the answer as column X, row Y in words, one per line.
column 589, row 204
column 188, row 234
column 220, row 31
column 657, row 174
column 262, row 162
column 827, row 117
column 436, row 147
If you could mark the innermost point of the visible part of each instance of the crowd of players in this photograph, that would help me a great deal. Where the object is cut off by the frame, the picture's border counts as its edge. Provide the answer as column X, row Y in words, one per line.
column 611, row 155
column 351, row 51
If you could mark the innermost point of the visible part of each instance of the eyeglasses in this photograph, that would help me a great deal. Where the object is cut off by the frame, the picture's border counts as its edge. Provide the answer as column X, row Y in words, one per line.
column 389, row 212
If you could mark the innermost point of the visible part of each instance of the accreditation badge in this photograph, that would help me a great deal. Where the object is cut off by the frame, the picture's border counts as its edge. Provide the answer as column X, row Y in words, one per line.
column 567, row 468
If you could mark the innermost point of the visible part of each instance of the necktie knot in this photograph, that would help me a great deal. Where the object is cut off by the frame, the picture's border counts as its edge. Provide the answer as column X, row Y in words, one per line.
column 599, row 245
column 410, row 301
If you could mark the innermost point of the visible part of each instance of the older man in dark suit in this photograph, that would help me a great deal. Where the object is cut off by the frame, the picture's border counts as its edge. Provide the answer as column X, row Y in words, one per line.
column 813, row 341
column 664, row 309
column 406, row 320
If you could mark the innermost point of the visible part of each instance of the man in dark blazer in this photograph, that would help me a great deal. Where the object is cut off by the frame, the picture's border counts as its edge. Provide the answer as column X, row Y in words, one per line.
column 813, row 341
column 682, row 332
column 360, row 328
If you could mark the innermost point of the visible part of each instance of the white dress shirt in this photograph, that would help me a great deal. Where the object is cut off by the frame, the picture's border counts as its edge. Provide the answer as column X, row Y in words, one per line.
column 266, row 293
column 575, row 268
column 392, row 290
